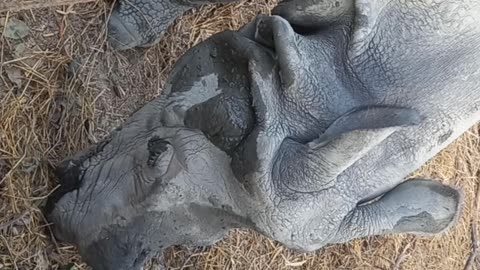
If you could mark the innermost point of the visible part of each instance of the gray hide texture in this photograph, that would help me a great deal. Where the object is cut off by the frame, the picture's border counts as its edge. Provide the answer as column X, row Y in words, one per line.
column 142, row 23
column 302, row 126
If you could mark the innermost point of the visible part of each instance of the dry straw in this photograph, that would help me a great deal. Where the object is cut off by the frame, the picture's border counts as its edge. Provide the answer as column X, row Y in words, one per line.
column 17, row 5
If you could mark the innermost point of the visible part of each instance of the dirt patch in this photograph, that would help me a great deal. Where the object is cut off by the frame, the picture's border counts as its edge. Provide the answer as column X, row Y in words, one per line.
column 62, row 88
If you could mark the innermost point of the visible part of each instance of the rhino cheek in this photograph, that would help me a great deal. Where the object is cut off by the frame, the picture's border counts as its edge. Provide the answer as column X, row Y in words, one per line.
column 78, row 211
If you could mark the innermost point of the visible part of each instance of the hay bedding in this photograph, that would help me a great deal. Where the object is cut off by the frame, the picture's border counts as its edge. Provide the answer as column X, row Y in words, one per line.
column 61, row 89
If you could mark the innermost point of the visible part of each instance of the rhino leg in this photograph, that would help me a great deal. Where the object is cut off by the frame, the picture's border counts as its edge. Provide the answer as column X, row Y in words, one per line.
column 141, row 23
column 315, row 166
column 312, row 14
column 418, row 206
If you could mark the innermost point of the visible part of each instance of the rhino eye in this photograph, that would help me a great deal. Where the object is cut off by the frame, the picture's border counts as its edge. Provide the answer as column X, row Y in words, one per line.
column 156, row 147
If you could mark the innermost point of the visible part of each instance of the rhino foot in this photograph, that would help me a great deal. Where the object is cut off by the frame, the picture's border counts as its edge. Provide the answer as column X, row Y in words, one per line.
column 141, row 23
column 418, row 206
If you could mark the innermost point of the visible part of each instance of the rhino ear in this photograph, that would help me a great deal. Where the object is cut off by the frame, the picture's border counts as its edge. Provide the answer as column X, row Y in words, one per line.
column 315, row 165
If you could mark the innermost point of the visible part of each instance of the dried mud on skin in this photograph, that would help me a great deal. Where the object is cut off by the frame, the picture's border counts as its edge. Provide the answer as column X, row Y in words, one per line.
column 62, row 88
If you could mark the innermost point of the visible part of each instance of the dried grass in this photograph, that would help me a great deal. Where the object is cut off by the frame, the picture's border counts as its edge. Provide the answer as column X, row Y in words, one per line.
column 54, row 113
column 8, row 5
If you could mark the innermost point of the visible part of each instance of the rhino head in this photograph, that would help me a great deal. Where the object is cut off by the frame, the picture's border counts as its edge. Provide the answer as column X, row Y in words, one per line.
column 131, row 196
column 302, row 126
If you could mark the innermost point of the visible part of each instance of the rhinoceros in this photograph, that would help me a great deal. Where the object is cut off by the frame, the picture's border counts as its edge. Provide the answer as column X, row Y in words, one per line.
column 302, row 126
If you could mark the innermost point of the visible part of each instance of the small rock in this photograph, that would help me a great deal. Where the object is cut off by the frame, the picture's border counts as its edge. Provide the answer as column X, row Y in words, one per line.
column 70, row 266
column 75, row 67
column 20, row 50
column 3, row 163
column 15, row 76
column 27, row 53
column 41, row 262
column 15, row 29
column 58, row 112
column 30, row 165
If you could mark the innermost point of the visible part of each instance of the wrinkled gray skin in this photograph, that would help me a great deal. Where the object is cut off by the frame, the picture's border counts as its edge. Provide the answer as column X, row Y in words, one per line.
column 302, row 133
column 141, row 23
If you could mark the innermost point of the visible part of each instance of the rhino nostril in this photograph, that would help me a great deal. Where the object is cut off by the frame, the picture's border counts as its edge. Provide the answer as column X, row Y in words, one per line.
column 69, row 174
column 156, row 146
column 142, row 257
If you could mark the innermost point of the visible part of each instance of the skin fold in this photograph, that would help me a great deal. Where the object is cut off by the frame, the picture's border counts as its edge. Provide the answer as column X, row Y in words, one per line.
column 302, row 126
